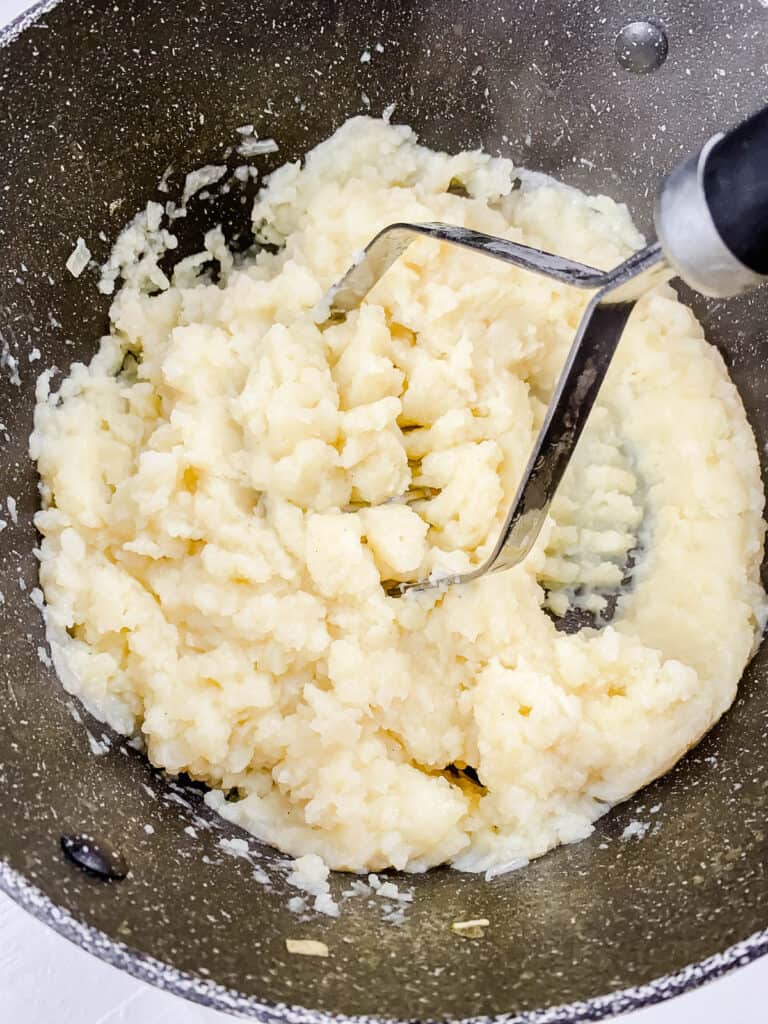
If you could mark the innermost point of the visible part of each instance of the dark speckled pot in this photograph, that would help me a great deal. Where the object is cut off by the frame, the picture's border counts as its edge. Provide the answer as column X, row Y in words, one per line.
column 96, row 100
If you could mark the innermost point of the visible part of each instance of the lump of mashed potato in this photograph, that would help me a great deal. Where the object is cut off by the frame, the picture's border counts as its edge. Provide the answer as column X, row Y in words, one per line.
column 228, row 482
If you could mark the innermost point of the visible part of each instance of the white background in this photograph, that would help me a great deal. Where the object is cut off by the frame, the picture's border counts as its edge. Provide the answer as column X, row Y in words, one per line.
column 45, row 979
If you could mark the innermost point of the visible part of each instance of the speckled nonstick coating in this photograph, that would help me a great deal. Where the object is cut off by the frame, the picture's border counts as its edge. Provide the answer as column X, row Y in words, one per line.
column 96, row 100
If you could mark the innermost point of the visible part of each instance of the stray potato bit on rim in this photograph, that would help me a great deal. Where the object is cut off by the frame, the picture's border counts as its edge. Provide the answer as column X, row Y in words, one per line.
column 306, row 947
column 474, row 929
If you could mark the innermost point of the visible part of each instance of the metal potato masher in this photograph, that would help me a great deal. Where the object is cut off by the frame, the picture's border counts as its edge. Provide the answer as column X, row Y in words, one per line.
column 712, row 224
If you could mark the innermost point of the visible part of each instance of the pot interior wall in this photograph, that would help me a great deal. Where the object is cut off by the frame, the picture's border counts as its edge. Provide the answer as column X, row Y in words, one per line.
column 96, row 101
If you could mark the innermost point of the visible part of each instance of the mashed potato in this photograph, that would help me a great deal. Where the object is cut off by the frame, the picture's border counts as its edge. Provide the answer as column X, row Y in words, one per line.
column 228, row 483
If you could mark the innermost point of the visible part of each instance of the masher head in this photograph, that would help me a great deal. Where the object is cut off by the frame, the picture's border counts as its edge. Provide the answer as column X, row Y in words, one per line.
column 589, row 357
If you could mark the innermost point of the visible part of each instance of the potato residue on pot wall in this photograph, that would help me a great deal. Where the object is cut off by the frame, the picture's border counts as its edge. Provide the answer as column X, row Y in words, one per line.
column 225, row 488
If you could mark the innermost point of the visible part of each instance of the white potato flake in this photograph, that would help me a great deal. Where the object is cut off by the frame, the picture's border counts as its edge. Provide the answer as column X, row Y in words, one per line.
column 201, row 178
column 257, row 147
column 310, row 874
column 79, row 258
column 635, row 830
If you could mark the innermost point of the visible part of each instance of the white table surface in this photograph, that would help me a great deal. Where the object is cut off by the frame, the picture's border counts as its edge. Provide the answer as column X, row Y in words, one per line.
column 44, row 978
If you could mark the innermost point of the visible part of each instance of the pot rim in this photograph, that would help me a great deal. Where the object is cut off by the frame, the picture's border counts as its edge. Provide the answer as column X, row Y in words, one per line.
column 23, row 20
column 221, row 997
